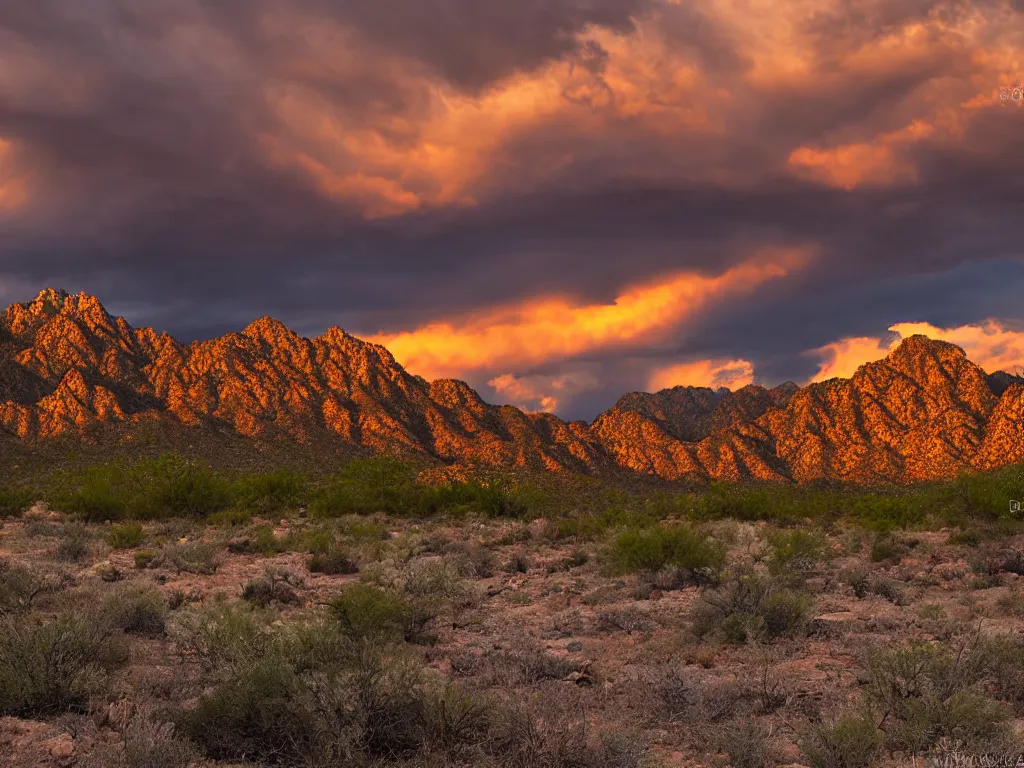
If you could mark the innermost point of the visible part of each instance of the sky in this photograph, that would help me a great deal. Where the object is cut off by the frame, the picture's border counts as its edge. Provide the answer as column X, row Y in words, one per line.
column 557, row 201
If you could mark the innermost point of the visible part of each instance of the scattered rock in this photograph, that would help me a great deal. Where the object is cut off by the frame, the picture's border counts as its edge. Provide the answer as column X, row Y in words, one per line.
column 61, row 748
column 574, row 647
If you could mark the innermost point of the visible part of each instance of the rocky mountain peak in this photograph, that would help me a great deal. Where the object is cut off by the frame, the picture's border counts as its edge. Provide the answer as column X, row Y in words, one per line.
column 67, row 367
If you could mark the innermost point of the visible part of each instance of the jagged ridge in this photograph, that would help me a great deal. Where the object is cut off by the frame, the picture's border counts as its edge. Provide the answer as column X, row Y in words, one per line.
column 67, row 367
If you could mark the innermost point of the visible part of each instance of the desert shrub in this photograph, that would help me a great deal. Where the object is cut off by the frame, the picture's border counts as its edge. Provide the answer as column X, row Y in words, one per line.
column 19, row 586
column 97, row 495
column 53, row 667
column 850, row 741
column 747, row 607
column 655, row 548
column 261, row 711
column 73, row 546
column 273, row 586
column 628, row 620
column 136, row 610
column 576, row 558
column 38, row 527
column 498, row 499
column 859, row 581
column 965, row 538
column 383, row 484
column 196, row 557
column 474, row 560
column 747, row 746
column 1013, row 562
column 221, row 635
column 175, row 486
column 785, row 612
column 146, row 558
column 526, row 665
column 230, row 518
column 518, row 563
column 886, row 549
column 594, row 524
column 890, row 511
column 796, row 552
column 550, row 734
column 168, row 486
column 269, row 493
column 890, row 589
column 371, row 612
column 983, row 495
column 779, row 503
column 148, row 743
column 335, row 561
column 454, row 720
column 126, row 536
column 14, row 502
column 306, row 697
column 365, row 486
column 674, row 693
column 927, row 692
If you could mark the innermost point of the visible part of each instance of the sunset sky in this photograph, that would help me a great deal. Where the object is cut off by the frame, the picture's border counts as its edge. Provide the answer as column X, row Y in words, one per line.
column 555, row 200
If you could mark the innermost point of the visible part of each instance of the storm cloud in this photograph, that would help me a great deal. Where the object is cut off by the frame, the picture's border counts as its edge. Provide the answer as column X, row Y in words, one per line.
column 438, row 172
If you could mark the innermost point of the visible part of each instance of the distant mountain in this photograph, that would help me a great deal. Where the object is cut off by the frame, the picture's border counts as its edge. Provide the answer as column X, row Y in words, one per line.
column 67, row 368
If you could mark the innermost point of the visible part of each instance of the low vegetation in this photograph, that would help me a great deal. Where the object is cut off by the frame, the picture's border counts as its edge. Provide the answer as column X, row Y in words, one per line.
column 171, row 615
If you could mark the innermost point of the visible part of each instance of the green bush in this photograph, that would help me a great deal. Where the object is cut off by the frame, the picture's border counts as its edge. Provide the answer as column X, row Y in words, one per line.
column 655, row 548
column 148, row 743
column 196, row 557
column 886, row 549
column 146, row 558
column 748, row 607
column 333, row 562
column 99, row 495
column 797, row 552
column 928, row 692
column 888, row 512
column 779, row 503
column 592, row 524
column 370, row 612
column 273, row 586
column 47, row 669
column 73, row 546
column 850, row 741
column 304, row 699
column 269, row 493
column 126, row 536
column 136, row 610
column 747, row 746
column 982, row 495
column 168, row 486
column 19, row 586
column 230, row 518
column 14, row 502
column 365, row 486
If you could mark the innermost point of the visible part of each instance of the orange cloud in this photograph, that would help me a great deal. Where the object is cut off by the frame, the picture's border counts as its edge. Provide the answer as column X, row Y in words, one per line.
column 444, row 147
column 989, row 344
column 541, row 392
column 553, row 328
column 721, row 372
column 853, row 165
column 842, row 358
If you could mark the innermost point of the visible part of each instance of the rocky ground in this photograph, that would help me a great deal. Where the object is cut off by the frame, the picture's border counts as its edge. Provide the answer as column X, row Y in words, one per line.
column 519, row 613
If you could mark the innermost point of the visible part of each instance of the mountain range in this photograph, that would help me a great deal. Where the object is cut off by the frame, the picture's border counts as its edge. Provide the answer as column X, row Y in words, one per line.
column 68, row 369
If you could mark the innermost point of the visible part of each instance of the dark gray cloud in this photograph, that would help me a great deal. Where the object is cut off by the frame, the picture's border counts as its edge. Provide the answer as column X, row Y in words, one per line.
column 144, row 131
